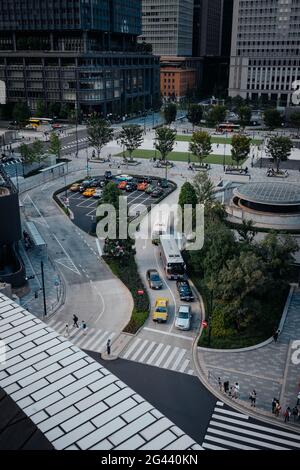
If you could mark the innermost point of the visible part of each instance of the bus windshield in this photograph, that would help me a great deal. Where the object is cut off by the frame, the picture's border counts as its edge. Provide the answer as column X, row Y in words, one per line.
column 175, row 268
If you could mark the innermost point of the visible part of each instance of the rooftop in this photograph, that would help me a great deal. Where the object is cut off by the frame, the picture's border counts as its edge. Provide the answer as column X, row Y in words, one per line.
column 270, row 193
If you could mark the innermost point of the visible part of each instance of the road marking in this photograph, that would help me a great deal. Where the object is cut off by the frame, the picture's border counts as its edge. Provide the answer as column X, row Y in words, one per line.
column 38, row 211
column 132, row 347
column 165, row 351
column 229, row 443
column 184, row 365
column 155, row 353
column 98, row 247
column 101, row 298
column 180, row 356
column 74, row 269
column 170, row 358
column 189, row 338
column 148, row 350
column 139, row 350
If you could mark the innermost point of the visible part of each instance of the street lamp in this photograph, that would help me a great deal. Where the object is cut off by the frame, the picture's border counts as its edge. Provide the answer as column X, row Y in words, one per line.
column 210, row 316
column 87, row 162
column 224, row 156
column 43, row 287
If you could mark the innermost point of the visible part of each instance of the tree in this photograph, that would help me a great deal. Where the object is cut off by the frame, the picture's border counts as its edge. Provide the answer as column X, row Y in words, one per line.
column 204, row 189
column 99, row 133
column 131, row 137
column 272, row 118
column 187, row 195
column 37, row 148
column 164, row 142
column 111, row 195
column 237, row 102
column 244, row 113
column 54, row 109
column 21, row 112
column 240, row 147
column 247, row 231
column 170, row 112
column 200, row 145
column 40, row 108
column 55, row 145
column 217, row 114
column 31, row 153
column 194, row 114
column 279, row 149
column 295, row 119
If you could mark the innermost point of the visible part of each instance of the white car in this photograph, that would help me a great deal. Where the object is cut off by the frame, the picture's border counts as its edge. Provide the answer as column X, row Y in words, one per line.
column 124, row 178
column 98, row 193
column 183, row 317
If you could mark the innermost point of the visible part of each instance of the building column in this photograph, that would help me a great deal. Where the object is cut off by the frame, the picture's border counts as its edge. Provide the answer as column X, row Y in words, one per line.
column 85, row 46
column 51, row 42
column 14, row 42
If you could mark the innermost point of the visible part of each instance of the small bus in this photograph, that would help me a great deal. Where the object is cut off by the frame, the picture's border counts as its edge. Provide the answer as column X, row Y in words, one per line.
column 173, row 262
column 35, row 122
column 228, row 127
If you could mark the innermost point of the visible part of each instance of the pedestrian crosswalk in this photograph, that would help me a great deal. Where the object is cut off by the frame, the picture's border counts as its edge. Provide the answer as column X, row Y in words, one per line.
column 73, row 143
column 231, row 430
column 92, row 339
column 159, row 355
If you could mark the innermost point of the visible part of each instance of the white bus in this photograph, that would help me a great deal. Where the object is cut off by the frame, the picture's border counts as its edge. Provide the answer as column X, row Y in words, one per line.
column 174, row 265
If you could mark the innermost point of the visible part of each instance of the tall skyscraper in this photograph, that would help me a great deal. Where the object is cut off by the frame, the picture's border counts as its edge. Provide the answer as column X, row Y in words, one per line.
column 265, row 49
column 78, row 52
column 207, row 29
column 168, row 26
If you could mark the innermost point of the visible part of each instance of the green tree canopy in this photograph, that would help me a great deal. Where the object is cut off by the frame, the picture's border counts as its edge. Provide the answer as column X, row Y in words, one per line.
column 200, row 145
column 187, row 195
column 272, row 118
column 195, row 114
column 279, row 149
column 131, row 137
column 100, row 133
column 41, row 109
column 240, row 147
column 295, row 119
column 170, row 112
column 164, row 142
column 217, row 114
column 55, row 145
column 21, row 113
column 204, row 189
column 244, row 113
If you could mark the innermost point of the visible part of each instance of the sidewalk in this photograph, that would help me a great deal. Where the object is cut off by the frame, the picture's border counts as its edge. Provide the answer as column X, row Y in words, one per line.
column 267, row 369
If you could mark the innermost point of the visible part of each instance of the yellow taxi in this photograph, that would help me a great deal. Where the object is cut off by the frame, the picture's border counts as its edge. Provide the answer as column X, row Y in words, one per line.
column 89, row 192
column 160, row 313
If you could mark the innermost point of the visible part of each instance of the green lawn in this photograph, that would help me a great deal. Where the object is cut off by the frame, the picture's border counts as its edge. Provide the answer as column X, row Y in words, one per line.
column 215, row 140
column 183, row 157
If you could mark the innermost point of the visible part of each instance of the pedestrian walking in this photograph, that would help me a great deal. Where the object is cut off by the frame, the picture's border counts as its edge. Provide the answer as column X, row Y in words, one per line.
column 108, row 345
column 226, row 386
column 275, row 335
column 253, row 398
column 295, row 412
column 75, row 321
column 236, row 390
column 298, row 399
column 287, row 414
column 220, row 383
column 67, row 333
column 277, row 408
column 274, row 402
column 84, row 327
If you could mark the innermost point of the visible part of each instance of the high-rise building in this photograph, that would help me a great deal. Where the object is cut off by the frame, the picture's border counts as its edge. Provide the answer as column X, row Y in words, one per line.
column 168, row 26
column 265, row 49
column 78, row 52
column 207, row 28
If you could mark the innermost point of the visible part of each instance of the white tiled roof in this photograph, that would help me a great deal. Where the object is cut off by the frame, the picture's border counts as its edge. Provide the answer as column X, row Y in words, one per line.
column 73, row 400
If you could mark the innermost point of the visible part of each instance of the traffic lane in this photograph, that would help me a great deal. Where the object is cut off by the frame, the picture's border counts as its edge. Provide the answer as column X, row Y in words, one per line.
column 180, row 397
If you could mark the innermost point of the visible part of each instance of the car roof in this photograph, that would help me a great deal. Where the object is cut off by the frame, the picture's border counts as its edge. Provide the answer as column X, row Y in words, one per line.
column 161, row 301
column 184, row 308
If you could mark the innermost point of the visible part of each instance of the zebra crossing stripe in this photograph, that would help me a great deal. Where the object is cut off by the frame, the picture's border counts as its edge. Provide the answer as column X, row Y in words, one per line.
column 148, row 350
column 184, row 365
column 253, row 433
column 103, row 344
column 247, row 440
column 158, row 362
column 96, row 339
column 191, row 372
column 212, row 447
column 170, row 358
column 139, row 350
column 236, row 445
column 179, row 358
column 233, row 413
column 131, row 348
column 155, row 353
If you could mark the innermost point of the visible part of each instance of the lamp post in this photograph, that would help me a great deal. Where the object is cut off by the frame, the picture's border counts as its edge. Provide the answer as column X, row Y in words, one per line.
column 224, row 156
column 210, row 316
column 43, row 287
column 76, row 126
column 87, row 161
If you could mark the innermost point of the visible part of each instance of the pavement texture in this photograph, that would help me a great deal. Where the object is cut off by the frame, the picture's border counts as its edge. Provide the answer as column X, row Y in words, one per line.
column 268, row 369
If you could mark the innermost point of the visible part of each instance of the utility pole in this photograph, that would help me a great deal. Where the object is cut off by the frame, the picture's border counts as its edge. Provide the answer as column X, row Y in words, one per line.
column 76, row 125
column 210, row 317
column 43, row 287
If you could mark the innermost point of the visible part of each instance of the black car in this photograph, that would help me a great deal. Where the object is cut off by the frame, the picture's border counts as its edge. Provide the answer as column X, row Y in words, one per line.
column 157, row 192
column 131, row 187
column 108, row 175
column 144, row 179
column 185, row 291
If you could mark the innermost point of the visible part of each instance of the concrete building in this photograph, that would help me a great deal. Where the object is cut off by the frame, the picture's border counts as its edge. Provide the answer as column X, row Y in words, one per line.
column 175, row 82
column 168, row 26
column 79, row 53
column 265, row 57
column 207, row 27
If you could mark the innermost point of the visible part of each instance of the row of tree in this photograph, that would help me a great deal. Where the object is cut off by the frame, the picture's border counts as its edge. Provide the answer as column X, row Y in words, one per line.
column 34, row 153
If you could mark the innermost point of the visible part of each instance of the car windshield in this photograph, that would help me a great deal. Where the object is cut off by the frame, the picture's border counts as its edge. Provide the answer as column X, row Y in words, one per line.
column 183, row 315
column 154, row 277
column 161, row 309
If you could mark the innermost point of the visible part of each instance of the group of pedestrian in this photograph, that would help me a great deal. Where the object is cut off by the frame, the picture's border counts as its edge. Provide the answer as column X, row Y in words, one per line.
column 276, row 407
column 232, row 391
column 83, row 325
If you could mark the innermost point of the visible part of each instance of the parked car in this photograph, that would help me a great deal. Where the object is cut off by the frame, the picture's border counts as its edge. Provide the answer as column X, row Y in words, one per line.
column 185, row 291
column 157, row 192
column 183, row 318
column 149, row 189
column 89, row 192
column 142, row 186
column 144, row 179
column 122, row 185
column 75, row 187
column 163, row 183
column 131, row 187
column 98, row 193
column 153, row 279
column 124, row 178
column 108, row 175
column 160, row 313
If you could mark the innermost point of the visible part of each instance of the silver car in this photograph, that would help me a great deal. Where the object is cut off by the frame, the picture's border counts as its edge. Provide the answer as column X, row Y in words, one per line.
column 183, row 318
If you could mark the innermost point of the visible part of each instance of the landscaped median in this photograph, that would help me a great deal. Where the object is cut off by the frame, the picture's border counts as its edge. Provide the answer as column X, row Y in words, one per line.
column 183, row 157
column 214, row 140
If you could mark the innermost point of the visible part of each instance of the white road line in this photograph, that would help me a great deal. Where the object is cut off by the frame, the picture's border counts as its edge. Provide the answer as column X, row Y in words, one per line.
column 247, row 440
column 69, row 258
column 165, row 351
column 170, row 358
column 154, row 354
column 103, row 344
column 94, row 337
column 229, row 443
column 179, row 358
column 139, row 350
column 42, row 217
column 212, row 447
column 191, row 372
column 219, row 403
column 184, row 365
column 148, row 350
column 131, row 348
column 98, row 292
column 232, row 413
column 189, row 338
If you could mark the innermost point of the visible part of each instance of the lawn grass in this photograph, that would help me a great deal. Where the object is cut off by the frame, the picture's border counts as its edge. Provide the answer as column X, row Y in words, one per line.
column 183, row 157
column 215, row 140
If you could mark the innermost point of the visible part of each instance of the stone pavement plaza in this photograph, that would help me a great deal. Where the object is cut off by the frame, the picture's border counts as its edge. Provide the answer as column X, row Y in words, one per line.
column 267, row 369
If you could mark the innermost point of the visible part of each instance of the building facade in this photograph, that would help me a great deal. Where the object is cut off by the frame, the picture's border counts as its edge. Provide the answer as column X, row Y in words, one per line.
column 265, row 49
column 82, row 53
column 168, row 26
column 207, row 27
column 175, row 83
